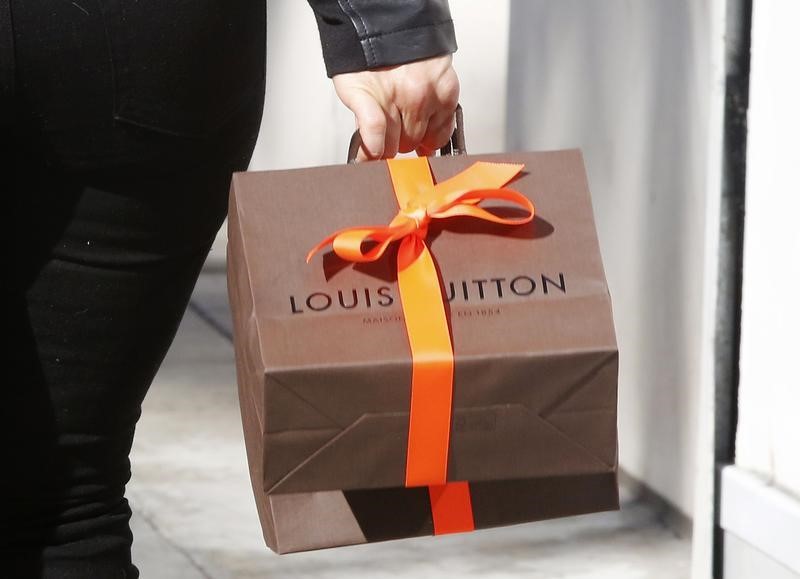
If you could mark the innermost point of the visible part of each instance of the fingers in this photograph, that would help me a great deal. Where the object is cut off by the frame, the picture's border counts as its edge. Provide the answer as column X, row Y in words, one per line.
column 393, row 132
column 378, row 122
column 372, row 124
column 382, row 132
column 416, row 111
column 439, row 131
column 402, row 135
column 429, row 114
column 413, row 133
column 400, row 109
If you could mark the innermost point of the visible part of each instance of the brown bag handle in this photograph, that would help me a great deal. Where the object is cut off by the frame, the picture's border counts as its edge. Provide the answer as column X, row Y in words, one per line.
column 455, row 146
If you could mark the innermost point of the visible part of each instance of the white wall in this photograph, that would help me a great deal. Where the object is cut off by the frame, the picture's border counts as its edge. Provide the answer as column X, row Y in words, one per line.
column 632, row 84
column 768, row 438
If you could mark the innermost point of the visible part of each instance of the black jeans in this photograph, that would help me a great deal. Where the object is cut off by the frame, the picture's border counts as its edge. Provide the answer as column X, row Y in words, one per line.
column 119, row 134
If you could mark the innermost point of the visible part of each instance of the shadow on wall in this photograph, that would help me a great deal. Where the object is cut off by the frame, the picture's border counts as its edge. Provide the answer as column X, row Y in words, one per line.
column 627, row 82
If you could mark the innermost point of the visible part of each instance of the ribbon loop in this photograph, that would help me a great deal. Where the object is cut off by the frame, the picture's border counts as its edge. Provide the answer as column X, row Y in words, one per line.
column 421, row 201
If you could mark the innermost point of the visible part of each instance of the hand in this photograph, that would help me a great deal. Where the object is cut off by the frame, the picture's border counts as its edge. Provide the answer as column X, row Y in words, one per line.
column 403, row 108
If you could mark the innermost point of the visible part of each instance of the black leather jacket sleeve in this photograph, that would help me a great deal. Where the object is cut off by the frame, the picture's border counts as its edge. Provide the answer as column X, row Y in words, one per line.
column 361, row 34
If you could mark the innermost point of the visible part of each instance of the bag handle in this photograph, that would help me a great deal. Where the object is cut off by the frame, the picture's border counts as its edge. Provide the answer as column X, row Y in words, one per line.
column 455, row 146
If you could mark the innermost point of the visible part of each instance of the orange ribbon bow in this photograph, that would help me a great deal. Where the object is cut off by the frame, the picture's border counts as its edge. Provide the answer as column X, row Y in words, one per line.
column 422, row 201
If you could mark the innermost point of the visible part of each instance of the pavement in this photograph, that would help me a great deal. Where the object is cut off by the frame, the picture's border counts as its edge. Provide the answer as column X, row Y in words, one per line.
column 194, row 515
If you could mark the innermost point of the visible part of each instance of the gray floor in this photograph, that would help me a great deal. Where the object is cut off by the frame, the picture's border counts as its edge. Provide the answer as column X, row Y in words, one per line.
column 195, row 517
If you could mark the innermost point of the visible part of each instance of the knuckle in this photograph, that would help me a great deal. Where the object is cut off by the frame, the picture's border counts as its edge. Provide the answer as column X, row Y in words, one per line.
column 448, row 91
column 416, row 95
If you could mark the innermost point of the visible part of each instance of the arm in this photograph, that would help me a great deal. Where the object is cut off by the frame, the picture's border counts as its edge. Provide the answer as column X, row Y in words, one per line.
column 391, row 65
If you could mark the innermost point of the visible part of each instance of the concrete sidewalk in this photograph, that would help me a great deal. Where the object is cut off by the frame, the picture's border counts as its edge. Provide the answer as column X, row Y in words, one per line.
column 194, row 515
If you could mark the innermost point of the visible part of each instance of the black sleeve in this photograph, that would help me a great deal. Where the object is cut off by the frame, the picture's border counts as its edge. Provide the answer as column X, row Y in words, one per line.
column 361, row 34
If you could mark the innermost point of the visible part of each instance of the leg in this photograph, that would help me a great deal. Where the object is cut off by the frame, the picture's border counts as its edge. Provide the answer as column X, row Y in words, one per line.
column 113, row 213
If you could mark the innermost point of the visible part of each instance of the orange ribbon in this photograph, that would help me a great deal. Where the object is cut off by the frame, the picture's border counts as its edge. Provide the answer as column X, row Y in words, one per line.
column 422, row 201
